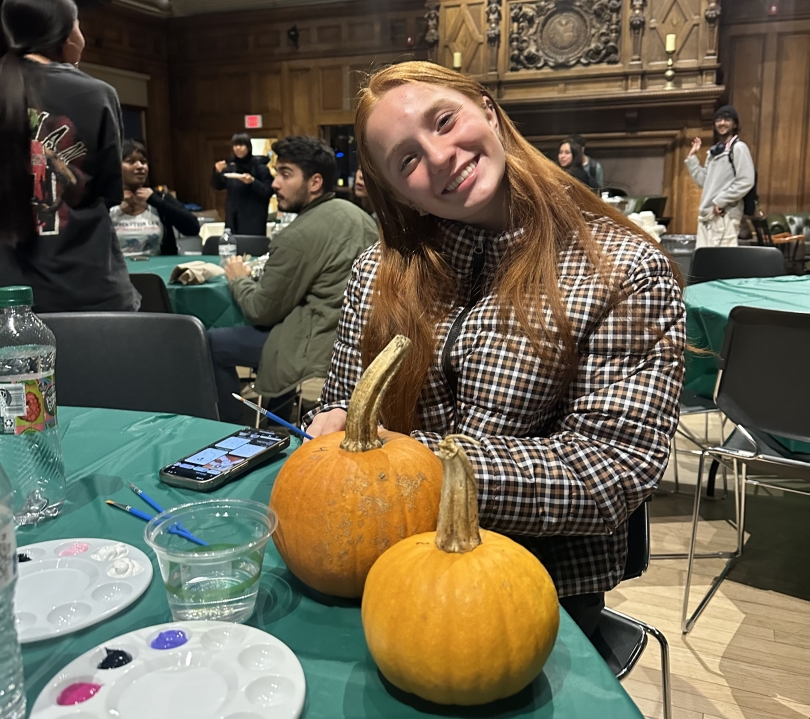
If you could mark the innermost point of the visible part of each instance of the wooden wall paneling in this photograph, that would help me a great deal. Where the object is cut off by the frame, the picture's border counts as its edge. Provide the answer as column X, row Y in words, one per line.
column 301, row 101
column 746, row 85
column 462, row 25
column 266, row 96
column 790, row 121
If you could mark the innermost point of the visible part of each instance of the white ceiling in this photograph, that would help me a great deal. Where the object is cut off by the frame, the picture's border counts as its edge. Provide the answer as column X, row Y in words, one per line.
column 194, row 7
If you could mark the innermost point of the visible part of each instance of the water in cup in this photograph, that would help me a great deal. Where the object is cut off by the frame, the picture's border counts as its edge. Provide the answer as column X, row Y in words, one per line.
column 223, row 590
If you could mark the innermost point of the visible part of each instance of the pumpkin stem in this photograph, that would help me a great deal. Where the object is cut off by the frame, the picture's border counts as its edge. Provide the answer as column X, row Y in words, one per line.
column 364, row 406
column 457, row 529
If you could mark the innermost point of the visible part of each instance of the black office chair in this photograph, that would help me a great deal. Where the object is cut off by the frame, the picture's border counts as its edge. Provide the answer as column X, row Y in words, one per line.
column 253, row 245
column 720, row 263
column 620, row 639
column 729, row 263
column 653, row 203
column 133, row 360
column 764, row 351
column 154, row 295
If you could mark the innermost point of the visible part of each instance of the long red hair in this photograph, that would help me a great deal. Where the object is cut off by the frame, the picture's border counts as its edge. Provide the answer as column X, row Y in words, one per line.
column 415, row 288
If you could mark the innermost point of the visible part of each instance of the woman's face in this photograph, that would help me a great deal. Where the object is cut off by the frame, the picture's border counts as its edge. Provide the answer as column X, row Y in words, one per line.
column 440, row 152
column 135, row 170
column 359, row 185
column 564, row 156
column 74, row 45
column 240, row 151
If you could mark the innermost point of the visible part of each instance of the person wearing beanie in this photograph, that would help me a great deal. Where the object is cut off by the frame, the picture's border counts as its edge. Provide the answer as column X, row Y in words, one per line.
column 726, row 178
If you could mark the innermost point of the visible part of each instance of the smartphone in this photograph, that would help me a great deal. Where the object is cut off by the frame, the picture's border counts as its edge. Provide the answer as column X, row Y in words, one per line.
column 225, row 460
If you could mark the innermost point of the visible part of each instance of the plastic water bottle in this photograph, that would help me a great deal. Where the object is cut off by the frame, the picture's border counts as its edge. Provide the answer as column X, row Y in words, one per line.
column 30, row 450
column 227, row 247
column 12, row 692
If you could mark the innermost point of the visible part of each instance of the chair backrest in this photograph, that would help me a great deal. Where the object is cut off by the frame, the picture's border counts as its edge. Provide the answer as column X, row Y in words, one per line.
column 654, row 203
column 762, row 230
column 154, row 295
column 254, row 245
column 133, row 360
column 638, row 542
column 763, row 371
column 728, row 263
column 777, row 223
column 190, row 245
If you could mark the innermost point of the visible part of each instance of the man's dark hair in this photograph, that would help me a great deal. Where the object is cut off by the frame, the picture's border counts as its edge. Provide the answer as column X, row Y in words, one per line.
column 242, row 138
column 132, row 147
column 312, row 155
column 579, row 140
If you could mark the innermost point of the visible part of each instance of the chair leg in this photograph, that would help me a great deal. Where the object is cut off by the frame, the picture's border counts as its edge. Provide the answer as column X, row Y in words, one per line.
column 741, row 510
column 665, row 685
column 675, row 467
column 687, row 622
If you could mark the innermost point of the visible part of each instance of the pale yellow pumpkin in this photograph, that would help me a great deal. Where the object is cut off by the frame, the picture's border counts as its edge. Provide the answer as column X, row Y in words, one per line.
column 344, row 498
column 460, row 615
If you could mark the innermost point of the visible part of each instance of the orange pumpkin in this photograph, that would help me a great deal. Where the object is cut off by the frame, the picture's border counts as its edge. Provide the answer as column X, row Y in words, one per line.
column 344, row 498
column 459, row 616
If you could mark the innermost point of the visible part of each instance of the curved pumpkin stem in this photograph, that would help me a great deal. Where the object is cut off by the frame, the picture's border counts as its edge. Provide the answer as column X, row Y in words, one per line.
column 457, row 529
column 364, row 406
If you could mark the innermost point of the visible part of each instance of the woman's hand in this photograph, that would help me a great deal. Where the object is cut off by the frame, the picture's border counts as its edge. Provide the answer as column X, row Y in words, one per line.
column 220, row 166
column 327, row 422
column 247, row 178
column 696, row 143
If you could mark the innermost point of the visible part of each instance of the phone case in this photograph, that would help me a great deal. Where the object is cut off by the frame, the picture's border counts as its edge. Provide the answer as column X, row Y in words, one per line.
column 229, row 475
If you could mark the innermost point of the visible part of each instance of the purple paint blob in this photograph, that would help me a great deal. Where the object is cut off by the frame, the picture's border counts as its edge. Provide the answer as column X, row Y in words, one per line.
column 115, row 658
column 169, row 639
column 77, row 693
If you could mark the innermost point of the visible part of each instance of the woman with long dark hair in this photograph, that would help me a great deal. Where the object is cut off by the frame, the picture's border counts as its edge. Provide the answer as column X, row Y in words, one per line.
column 545, row 325
column 60, row 165
column 249, row 185
column 571, row 157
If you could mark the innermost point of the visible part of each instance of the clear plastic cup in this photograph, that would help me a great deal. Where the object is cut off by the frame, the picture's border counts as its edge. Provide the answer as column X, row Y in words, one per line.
column 219, row 581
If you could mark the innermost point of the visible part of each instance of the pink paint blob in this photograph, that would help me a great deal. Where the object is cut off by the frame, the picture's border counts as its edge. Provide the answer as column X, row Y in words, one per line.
column 77, row 693
column 74, row 549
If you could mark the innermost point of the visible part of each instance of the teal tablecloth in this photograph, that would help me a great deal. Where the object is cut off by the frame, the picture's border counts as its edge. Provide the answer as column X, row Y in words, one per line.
column 708, row 306
column 211, row 302
column 106, row 449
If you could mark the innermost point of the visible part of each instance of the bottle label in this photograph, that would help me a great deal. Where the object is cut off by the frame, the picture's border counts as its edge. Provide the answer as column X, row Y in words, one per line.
column 8, row 552
column 28, row 404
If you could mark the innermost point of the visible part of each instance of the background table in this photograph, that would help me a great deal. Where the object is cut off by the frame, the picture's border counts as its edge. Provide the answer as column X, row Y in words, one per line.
column 708, row 306
column 212, row 302
column 106, row 449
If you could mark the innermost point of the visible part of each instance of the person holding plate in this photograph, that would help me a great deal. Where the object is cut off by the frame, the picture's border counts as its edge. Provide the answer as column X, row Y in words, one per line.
column 247, row 181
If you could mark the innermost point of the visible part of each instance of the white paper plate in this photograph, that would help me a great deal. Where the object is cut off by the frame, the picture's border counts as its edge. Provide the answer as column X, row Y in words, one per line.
column 221, row 670
column 70, row 584
column 232, row 175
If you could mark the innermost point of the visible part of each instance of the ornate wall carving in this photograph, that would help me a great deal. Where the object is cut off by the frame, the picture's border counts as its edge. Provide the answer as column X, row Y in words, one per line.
column 564, row 33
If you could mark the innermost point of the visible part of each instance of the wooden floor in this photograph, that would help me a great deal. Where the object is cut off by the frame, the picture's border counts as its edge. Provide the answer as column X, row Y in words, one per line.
column 749, row 653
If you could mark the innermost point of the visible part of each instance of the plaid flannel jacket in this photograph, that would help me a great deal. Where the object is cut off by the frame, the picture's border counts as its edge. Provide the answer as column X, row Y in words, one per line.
column 559, row 468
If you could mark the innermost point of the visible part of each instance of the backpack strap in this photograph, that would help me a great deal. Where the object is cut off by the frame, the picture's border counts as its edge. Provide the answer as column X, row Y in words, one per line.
column 731, row 155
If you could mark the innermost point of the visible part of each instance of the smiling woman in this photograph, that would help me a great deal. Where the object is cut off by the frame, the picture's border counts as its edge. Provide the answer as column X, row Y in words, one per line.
column 544, row 325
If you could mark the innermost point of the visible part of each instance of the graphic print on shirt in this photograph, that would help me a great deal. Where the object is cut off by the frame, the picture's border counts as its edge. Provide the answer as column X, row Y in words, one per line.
column 56, row 156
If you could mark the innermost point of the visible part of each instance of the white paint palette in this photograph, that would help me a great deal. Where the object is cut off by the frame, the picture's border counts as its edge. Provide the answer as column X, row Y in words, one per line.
column 180, row 670
column 68, row 584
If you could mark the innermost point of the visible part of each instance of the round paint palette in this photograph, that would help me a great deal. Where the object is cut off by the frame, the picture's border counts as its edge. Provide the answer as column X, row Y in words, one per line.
column 69, row 584
column 181, row 670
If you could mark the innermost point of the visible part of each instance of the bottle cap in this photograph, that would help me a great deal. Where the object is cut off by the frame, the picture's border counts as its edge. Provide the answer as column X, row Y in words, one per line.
column 16, row 296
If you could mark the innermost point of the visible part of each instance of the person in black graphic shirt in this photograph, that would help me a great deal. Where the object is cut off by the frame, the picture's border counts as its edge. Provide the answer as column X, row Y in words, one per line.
column 60, row 165
column 247, row 180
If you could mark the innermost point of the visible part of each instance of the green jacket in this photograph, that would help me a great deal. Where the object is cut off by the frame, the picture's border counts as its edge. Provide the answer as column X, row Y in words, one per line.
column 300, row 294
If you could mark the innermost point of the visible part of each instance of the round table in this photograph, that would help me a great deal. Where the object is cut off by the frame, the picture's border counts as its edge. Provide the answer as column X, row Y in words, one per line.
column 211, row 302
column 106, row 449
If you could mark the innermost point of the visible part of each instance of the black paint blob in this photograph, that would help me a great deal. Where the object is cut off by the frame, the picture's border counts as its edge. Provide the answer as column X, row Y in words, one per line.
column 23, row 557
column 115, row 658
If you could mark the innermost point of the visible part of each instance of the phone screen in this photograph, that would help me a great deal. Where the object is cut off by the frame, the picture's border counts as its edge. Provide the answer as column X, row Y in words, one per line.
column 224, row 455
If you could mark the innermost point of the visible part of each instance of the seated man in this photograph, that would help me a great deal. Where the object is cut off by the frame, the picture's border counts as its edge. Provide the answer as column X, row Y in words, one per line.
column 294, row 308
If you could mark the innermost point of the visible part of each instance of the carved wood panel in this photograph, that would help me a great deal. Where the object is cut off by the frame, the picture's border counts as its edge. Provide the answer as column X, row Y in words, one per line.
column 558, row 34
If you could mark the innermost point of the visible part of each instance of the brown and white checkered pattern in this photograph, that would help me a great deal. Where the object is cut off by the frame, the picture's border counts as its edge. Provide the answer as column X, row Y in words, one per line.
column 559, row 468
